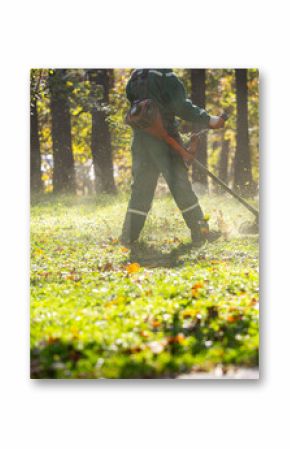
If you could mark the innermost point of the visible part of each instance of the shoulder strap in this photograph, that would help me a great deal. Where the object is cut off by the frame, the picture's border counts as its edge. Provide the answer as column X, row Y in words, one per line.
column 139, row 79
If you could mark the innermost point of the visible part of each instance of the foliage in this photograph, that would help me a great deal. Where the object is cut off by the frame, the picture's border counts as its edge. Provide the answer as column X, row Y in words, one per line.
column 220, row 95
column 101, row 310
column 120, row 133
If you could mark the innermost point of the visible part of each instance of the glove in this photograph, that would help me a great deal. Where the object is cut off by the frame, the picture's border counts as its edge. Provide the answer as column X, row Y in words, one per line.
column 216, row 122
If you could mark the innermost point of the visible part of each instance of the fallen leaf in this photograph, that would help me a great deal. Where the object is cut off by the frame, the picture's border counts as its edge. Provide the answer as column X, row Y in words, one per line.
column 133, row 267
column 234, row 318
column 135, row 349
column 71, row 277
column 176, row 339
column 44, row 274
column 107, row 267
column 75, row 331
column 156, row 324
column 195, row 288
column 51, row 339
column 198, row 284
column 188, row 313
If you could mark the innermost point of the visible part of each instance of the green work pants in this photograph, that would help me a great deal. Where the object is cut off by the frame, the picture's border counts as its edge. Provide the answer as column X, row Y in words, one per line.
column 150, row 157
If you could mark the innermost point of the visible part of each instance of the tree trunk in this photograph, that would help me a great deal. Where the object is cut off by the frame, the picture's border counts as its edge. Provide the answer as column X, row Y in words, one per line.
column 35, row 158
column 101, row 139
column 223, row 160
column 63, row 162
column 198, row 98
column 242, row 164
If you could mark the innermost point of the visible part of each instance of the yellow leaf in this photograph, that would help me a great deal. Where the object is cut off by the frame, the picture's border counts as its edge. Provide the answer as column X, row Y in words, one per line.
column 75, row 331
column 189, row 313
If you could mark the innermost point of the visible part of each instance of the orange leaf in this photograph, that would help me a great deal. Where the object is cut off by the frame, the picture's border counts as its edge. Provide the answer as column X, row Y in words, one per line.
column 72, row 277
column 195, row 288
column 156, row 323
column 133, row 267
column 233, row 318
column 198, row 284
column 176, row 339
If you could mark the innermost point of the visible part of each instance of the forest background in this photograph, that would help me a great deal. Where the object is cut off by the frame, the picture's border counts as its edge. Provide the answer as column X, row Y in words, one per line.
column 80, row 144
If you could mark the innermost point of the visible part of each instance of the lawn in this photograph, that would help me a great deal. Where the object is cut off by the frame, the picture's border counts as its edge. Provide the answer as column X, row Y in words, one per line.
column 100, row 310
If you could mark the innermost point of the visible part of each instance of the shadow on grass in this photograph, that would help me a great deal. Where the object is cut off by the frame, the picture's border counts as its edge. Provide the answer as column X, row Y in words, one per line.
column 58, row 359
column 150, row 256
column 62, row 360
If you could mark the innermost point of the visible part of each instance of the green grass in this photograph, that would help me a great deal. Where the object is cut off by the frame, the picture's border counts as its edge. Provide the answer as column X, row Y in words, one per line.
column 93, row 316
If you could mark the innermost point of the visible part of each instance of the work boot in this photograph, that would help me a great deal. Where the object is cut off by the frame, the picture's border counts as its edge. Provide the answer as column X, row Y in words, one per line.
column 201, row 234
column 127, row 242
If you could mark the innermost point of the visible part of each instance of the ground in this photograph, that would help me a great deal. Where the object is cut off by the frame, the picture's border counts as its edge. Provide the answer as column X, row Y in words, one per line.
column 161, row 309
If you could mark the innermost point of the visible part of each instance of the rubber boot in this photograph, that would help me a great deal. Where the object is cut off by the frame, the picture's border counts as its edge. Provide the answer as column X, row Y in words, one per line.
column 200, row 234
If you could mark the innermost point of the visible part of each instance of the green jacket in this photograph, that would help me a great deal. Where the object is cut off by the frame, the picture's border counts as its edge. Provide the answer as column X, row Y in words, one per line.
column 166, row 89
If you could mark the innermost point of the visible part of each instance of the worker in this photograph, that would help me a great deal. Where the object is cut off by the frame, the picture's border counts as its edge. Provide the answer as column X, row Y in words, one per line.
column 152, row 157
